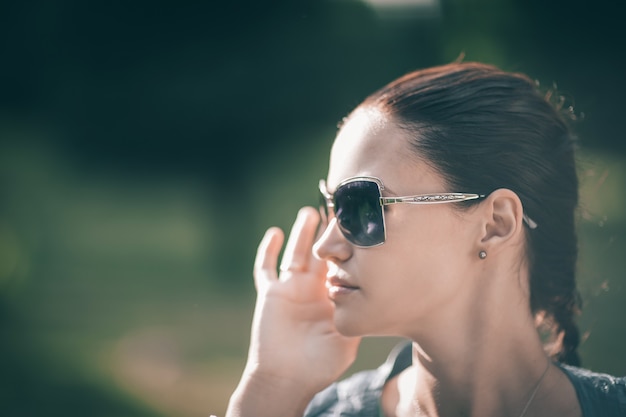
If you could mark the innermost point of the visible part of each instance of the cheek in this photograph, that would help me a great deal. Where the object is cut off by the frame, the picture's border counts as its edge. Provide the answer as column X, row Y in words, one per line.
column 427, row 249
column 419, row 233
column 417, row 270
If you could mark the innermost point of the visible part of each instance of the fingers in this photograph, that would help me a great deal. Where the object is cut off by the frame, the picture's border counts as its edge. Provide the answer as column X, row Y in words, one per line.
column 267, row 257
column 298, row 253
column 298, row 256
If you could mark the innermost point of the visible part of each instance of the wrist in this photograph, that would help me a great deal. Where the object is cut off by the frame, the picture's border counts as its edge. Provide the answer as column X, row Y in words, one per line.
column 263, row 394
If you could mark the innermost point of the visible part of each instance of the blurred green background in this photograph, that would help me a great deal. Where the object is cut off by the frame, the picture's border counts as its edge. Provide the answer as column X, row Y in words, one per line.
column 145, row 146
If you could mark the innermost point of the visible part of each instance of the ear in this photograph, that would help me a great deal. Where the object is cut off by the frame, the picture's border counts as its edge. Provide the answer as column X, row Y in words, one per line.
column 502, row 215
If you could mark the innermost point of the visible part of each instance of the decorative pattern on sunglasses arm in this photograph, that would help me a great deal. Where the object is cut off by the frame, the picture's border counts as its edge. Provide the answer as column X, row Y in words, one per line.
column 430, row 198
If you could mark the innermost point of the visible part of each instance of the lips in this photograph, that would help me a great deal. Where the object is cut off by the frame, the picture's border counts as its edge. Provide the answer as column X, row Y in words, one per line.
column 339, row 288
column 335, row 281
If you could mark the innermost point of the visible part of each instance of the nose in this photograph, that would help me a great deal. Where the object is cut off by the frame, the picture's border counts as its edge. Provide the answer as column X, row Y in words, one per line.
column 332, row 245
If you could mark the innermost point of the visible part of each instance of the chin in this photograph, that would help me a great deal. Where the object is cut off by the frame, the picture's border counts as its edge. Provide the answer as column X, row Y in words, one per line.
column 355, row 325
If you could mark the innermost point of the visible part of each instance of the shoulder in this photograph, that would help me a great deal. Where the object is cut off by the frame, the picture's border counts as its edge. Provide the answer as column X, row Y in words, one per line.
column 359, row 394
column 599, row 394
column 355, row 396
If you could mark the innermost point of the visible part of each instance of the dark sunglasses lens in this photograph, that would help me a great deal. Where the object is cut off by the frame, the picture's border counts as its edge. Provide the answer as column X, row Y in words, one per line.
column 359, row 213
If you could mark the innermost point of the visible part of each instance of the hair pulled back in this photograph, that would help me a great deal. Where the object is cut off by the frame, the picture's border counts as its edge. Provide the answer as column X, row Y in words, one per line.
column 482, row 129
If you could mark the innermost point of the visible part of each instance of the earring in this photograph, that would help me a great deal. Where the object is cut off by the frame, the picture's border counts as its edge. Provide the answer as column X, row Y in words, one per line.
column 482, row 254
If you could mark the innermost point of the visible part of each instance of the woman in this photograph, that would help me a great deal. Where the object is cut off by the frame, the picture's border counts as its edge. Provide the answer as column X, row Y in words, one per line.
column 450, row 201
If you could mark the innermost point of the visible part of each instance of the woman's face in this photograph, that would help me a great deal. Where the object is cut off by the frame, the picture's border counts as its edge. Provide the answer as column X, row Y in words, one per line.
column 421, row 275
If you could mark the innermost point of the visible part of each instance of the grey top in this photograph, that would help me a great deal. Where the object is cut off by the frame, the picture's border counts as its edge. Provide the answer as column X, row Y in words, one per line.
column 600, row 395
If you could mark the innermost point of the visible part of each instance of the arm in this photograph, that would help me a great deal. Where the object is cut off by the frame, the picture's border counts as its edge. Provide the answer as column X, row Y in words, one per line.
column 295, row 350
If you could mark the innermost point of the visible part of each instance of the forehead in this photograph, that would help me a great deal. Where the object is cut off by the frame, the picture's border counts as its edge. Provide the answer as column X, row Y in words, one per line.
column 369, row 144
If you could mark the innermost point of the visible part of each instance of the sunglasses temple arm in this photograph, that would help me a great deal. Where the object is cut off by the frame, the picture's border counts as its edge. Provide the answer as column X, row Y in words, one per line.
column 430, row 198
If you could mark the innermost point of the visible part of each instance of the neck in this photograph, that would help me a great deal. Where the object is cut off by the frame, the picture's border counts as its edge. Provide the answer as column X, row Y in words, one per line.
column 490, row 386
column 485, row 364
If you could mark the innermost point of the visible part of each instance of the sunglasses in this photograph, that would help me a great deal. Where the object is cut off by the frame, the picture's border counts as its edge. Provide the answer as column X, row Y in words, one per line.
column 358, row 203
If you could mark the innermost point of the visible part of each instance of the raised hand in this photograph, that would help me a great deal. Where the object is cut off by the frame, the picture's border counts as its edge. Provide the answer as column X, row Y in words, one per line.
column 295, row 350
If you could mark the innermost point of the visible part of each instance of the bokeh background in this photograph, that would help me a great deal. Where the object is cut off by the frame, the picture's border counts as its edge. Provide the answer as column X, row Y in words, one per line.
column 145, row 146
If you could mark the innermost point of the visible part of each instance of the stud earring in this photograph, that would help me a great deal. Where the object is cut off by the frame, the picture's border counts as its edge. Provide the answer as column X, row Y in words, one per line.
column 482, row 254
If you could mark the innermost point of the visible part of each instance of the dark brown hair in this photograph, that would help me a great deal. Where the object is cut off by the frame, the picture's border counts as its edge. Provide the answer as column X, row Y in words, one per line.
column 482, row 129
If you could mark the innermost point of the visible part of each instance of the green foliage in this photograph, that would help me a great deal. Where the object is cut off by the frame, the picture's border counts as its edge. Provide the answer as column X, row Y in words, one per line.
column 145, row 149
